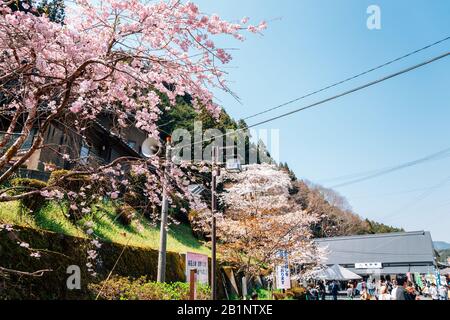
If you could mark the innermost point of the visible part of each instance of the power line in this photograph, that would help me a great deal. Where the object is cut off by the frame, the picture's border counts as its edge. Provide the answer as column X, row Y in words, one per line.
column 418, row 199
column 347, row 79
column 358, row 175
column 389, row 194
column 435, row 156
column 393, row 75
column 445, row 204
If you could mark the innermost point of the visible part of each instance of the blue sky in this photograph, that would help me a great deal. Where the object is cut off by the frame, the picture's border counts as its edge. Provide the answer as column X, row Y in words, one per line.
column 310, row 44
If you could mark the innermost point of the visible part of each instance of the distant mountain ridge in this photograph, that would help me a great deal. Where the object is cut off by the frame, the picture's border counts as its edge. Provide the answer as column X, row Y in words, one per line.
column 441, row 245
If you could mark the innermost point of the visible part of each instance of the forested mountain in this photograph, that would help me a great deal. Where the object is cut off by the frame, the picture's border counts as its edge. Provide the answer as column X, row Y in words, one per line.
column 444, row 255
column 441, row 245
column 338, row 218
column 183, row 117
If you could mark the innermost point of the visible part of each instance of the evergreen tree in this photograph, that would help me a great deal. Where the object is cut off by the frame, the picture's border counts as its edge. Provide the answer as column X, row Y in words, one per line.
column 54, row 9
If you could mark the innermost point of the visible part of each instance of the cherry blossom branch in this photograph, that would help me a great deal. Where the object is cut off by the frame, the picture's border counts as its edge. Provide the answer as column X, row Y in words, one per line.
column 38, row 273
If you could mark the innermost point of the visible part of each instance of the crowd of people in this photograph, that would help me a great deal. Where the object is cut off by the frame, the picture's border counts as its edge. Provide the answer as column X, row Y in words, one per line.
column 402, row 288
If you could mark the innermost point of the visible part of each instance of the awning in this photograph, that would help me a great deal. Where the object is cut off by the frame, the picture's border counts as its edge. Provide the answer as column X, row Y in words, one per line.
column 336, row 272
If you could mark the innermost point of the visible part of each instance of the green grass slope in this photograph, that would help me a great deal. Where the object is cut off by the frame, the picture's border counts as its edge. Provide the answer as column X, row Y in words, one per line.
column 140, row 233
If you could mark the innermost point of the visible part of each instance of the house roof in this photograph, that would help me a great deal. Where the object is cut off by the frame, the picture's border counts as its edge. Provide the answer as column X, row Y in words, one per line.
column 117, row 139
column 403, row 248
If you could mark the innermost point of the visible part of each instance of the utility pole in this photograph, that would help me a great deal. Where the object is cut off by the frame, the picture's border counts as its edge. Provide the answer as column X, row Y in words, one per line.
column 161, row 277
column 214, row 173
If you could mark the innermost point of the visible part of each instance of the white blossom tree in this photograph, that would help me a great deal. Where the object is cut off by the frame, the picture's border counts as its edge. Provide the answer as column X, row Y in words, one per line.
column 260, row 219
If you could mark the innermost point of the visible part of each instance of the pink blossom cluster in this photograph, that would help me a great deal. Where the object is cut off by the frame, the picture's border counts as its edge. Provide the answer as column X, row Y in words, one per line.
column 6, row 227
column 110, row 55
column 92, row 256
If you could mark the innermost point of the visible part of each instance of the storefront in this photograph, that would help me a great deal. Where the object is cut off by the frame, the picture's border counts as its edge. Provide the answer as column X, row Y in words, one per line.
column 408, row 253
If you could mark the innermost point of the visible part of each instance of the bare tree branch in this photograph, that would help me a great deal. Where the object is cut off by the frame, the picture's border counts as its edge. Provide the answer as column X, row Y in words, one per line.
column 38, row 273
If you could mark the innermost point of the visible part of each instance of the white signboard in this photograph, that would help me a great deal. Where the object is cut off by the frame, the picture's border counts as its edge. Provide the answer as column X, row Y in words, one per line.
column 369, row 265
column 283, row 278
column 199, row 262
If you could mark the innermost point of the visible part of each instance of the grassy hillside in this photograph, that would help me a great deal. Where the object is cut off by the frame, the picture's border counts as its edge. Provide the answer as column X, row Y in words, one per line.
column 52, row 218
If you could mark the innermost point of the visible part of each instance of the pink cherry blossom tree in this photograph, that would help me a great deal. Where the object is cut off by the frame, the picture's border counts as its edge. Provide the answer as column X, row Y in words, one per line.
column 109, row 57
column 128, row 59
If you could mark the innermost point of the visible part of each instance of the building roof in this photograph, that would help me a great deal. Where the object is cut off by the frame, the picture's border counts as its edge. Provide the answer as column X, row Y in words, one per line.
column 337, row 272
column 117, row 139
column 403, row 248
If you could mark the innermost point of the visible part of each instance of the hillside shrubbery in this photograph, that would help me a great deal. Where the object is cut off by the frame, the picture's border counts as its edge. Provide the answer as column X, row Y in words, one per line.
column 30, row 203
column 122, row 288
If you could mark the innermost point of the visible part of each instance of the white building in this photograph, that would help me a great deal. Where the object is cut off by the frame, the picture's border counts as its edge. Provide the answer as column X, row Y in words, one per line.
column 383, row 254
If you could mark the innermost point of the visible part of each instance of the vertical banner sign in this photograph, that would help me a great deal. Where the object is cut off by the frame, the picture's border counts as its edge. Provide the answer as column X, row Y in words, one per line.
column 283, row 278
column 418, row 279
column 408, row 275
column 200, row 263
column 437, row 275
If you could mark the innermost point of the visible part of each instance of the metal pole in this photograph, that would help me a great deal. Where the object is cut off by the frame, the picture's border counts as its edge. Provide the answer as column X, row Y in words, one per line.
column 244, row 288
column 193, row 284
column 214, row 173
column 161, row 277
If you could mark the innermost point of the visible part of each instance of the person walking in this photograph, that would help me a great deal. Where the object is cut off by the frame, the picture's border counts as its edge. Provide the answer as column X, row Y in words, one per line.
column 350, row 288
column 384, row 294
column 334, row 290
column 322, row 290
column 433, row 292
column 399, row 293
column 443, row 292
column 394, row 289
column 389, row 286
column 410, row 291
column 426, row 290
column 371, row 287
column 314, row 292
column 365, row 295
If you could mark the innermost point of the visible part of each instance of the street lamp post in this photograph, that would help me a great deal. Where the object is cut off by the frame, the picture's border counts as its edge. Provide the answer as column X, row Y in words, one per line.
column 151, row 148
column 232, row 166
